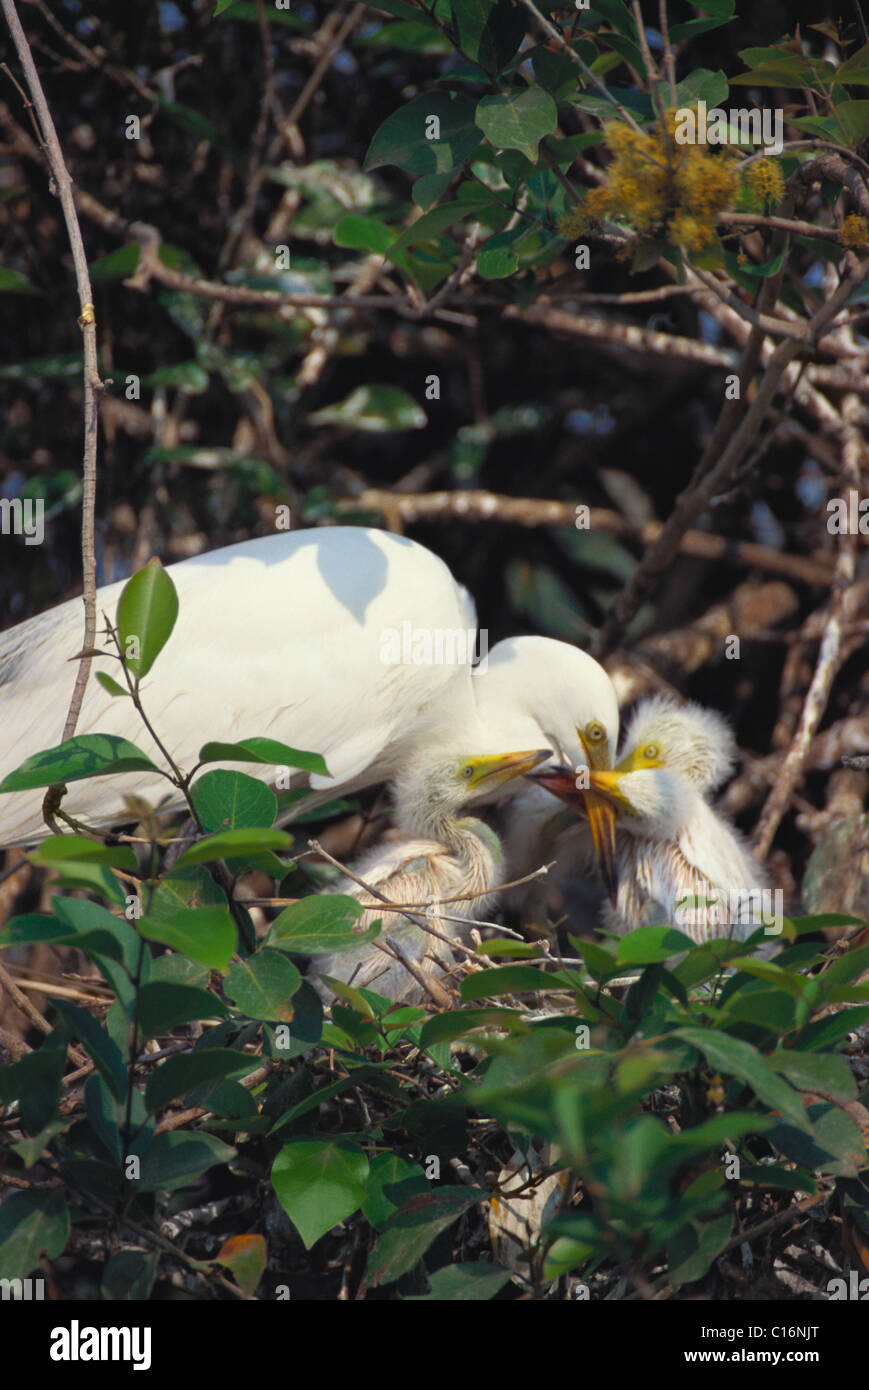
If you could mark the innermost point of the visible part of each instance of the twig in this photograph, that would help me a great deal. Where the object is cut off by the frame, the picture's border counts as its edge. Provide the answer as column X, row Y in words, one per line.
column 712, row 475
column 557, row 37
column 828, row 662
column 669, row 60
column 478, row 505
column 92, row 385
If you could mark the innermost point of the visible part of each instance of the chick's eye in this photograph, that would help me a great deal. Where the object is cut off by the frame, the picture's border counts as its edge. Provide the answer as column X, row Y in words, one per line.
column 651, row 751
column 467, row 772
column 596, row 732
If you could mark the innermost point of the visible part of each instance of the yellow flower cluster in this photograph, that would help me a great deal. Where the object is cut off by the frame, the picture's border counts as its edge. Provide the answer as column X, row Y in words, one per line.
column 766, row 180
column 854, row 232
column 660, row 188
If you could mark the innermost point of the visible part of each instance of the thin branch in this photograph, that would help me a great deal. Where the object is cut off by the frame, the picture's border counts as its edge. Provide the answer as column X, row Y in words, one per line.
column 62, row 185
column 669, row 60
column 715, row 470
column 477, row 505
column 557, row 37
column 828, row 662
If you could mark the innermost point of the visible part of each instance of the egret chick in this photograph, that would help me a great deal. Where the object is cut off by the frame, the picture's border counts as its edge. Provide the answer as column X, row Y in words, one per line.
column 677, row 860
column 442, row 855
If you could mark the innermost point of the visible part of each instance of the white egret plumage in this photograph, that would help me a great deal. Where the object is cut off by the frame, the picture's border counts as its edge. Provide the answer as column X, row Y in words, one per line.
column 677, row 859
column 353, row 643
column 442, row 856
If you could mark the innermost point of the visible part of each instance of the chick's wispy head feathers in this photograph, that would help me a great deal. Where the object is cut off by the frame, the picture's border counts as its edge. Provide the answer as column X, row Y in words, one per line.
column 687, row 740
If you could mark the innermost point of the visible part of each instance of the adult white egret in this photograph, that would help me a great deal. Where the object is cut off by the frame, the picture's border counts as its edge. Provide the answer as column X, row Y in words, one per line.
column 353, row 643
column 442, row 856
column 677, row 859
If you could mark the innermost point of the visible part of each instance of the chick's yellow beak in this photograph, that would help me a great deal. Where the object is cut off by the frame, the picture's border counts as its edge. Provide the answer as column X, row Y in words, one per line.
column 598, row 809
column 502, row 767
column 607, row 785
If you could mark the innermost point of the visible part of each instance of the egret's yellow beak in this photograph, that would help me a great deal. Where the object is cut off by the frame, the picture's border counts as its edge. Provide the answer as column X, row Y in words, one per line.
column 599, row 811
column 488, row 772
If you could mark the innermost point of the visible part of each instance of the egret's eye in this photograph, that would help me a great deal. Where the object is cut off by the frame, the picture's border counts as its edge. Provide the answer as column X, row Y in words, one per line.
column 596, row 732
column 466, row 772
column 651, row 751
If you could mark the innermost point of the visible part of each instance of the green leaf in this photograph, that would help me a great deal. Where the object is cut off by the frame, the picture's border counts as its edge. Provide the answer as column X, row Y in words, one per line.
column 233, row 842
column 433, row 223
column 164, row 1006
column 518, row 121
column 461, row 1023
column 391, row 1181
column 473, row 1282
column 319, row 925
column 358, row 233
column 147, row 610
column 262, row 986
column 233, row 801
column 246, row 1257
column 319, row 1183
column 373, row 410
column 187, row 377
column 830, row 1075
column 117, row 265
column 248, row 9
column 205, row 934
column 13, row 282
column 855, row 69
column 696, row 1245
column 409, row 35
column 110, row 684
column 409, row 1233
column 490, row 31
column 58, row 850
column 649, row 945
column 176, row 1159
column 854, row 116
column 105, row 1052
column 735, row 1057
column 497, row 262
column 38, row 927
column 263, row 750
column 31, row 1224
column 828, row 1031
column 86, row 755
column 129, row 1276
column 720, row 12
column 402, row 139
column 178, row 1076
column 510, row 979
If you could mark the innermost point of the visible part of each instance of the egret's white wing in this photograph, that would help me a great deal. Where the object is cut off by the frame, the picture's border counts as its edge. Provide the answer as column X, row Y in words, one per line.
column 290, row 636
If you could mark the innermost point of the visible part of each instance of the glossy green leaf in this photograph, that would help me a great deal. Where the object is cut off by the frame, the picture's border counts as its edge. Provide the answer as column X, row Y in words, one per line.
column 319, row 1183
column 263, row 750
column 179, row 1075
column 164, row 1006
column 414, row 141
column 518, row 121
column 176, row 1158
column 318, row 925
column 147, row 610
column 228, row 843
column 58, row 850
column 409, row 1233
column 233, row 801
column 86, row 755
column 205, row 934
column 262, row 986
column 32, row 1224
